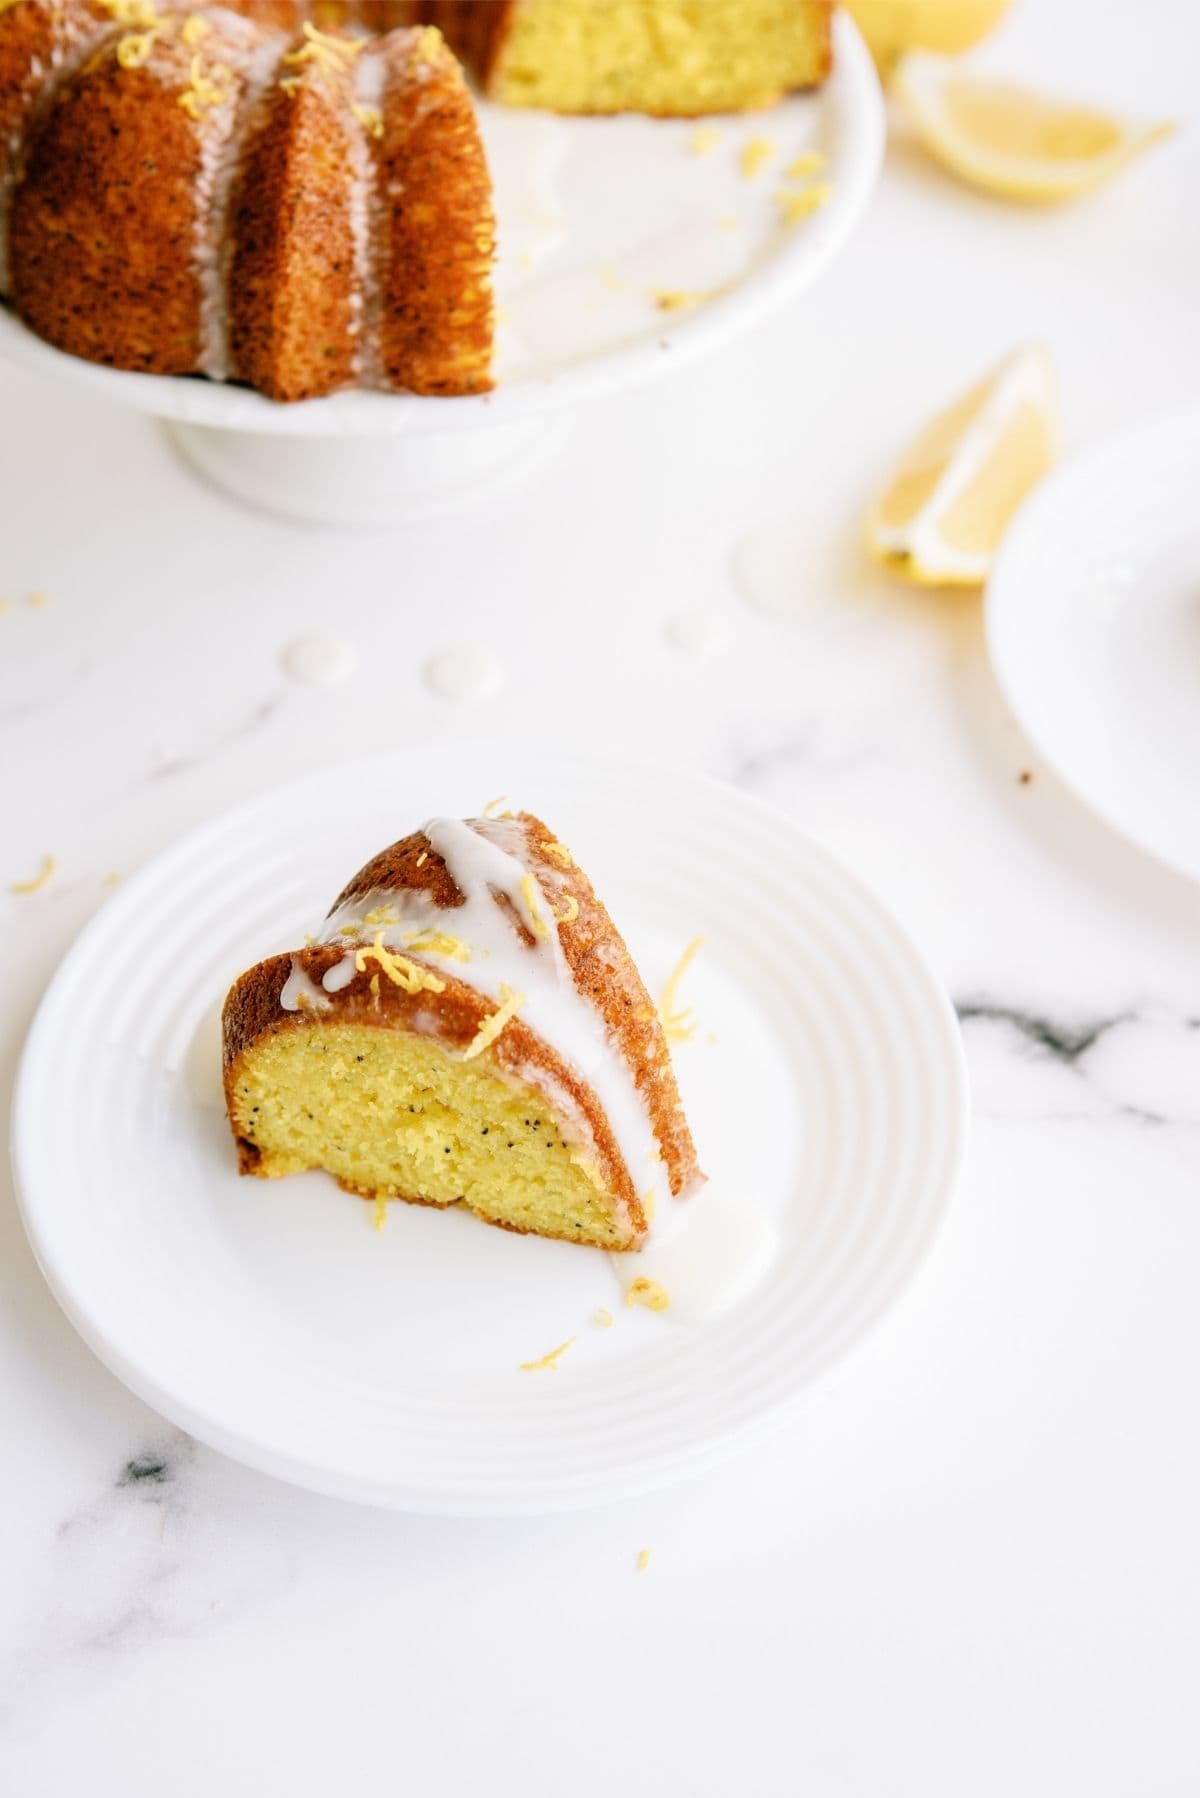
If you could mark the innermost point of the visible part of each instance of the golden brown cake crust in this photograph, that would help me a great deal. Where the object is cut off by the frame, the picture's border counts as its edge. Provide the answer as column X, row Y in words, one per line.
column 353, row 247
column 435, row 257
column 292, row 272
column 595, row 952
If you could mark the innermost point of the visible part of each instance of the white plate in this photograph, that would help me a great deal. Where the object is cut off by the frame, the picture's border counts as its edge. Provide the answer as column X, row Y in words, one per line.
column 272, row 1321
column 594, row 216
column 1093, row 626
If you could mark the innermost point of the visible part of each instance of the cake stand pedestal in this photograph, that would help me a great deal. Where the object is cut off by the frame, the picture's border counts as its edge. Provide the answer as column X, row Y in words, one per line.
column 366, row 481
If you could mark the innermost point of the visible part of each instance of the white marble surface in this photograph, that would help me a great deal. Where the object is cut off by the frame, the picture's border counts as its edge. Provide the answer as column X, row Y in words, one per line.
column 974, row 1565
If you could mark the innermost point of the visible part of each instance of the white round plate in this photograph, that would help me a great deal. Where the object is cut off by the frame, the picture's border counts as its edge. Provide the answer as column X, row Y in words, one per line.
column 271, row 1320
column 1093, row 626
column 596, row 217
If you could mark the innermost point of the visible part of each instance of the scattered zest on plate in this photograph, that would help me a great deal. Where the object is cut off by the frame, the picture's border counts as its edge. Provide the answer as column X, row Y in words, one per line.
column 940, row 519
column 1002, row 138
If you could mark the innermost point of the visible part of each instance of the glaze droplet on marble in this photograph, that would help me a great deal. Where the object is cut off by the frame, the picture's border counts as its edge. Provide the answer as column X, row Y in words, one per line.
column 318, row 659
column 463, row 671
column 698, row 633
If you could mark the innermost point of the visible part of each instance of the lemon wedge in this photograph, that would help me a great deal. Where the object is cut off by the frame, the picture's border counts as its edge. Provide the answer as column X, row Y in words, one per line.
column 1009, row 141
column 947, row 26
column 946, row 507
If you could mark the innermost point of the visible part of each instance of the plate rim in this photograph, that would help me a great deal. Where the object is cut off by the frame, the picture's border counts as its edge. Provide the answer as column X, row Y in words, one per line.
column 354, row 413
column 295, row 1469
column 1019, row 543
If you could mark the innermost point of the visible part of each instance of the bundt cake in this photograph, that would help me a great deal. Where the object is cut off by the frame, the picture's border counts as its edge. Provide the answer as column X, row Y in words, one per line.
column 657, row 56
column 199, row 192
column 468, row 1029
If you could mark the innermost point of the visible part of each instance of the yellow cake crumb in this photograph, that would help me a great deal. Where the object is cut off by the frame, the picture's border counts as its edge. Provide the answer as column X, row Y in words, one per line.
column 603, row 1317
column 799, row 205
column 608, row 277
column 380, row 1216
column 44, row 874
column 678, row 1026
column 112, row 880
column 489, row 1030
column 648, row 1293
column 559, row 853
column 643, row 1560
column 39, row 600
column 547, row 1362
column 703, row 140
column 5, row 606
column 809, row 162
column 755, row 154
column 729, row 222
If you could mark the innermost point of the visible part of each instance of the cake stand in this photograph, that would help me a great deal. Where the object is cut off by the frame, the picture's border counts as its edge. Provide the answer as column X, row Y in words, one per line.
column 628, row 246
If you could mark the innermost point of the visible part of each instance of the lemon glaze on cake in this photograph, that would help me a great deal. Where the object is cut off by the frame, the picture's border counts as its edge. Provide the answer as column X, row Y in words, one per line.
column 508, row 1063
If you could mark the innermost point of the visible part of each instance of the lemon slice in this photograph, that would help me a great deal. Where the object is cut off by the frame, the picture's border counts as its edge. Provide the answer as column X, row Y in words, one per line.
column 959, row 482
column 1009, row 141
column 948, row 26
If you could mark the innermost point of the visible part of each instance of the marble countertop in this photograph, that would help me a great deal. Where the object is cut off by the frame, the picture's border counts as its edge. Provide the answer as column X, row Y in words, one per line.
column 973, row 1565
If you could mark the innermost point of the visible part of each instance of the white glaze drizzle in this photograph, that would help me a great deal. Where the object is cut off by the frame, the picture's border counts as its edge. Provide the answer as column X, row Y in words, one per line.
column 485, row 858
column 366, row 221
column 221, row 134
column 300, row 993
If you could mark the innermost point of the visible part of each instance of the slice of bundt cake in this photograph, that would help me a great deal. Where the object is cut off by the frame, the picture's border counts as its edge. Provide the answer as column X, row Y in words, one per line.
column 200, row 193
column 469, row 1028
column 657, row 56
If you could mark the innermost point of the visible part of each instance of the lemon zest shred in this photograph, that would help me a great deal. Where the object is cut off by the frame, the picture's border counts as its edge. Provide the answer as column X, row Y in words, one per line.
column 603, row 1317
column 489, row 1030
column 648, row 1293
column 422, row 858
column 797, row 206
column 375, row 990
column 437, row 942
column 204, row 87
column 678, row 1025
column 134, row 49
column 560, row 853
column 755, row 153
column 381, row 914
column 643, row 1560
column 536, row 921
column 291, row 84
column 400, row 971
column 142, row 14
column 649, row 1205
column 569, row 913
column 369, row 117
column 547, row 1363
column 492, row 808
column 194, row 28
column 43, row 875
column 809, row 162
column 326, row 51
column 678, row 299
